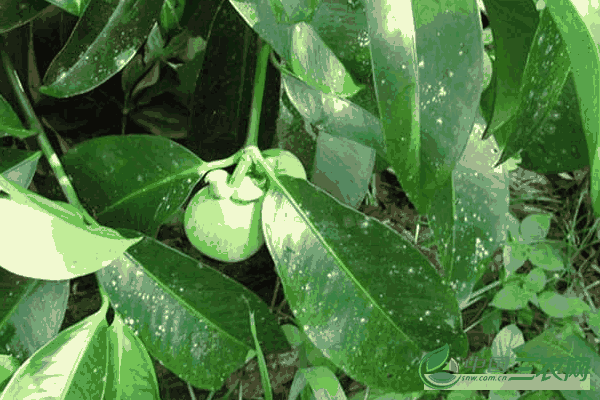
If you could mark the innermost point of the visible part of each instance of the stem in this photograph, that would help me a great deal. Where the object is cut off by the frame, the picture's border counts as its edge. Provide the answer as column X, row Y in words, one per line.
column 245, row 163
column 258, row 159
column 473, row 297
column 45, row 145
column 259, row 89
column 235, row 180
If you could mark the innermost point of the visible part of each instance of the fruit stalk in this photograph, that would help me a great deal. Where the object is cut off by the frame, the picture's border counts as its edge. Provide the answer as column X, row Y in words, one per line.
column 259, row 89
column 235, row 180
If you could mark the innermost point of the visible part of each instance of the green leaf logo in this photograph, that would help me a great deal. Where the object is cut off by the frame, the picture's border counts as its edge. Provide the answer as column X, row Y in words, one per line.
column 432, row 363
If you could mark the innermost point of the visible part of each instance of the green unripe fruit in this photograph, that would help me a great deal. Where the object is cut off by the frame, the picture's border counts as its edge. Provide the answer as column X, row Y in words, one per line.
column 217, row 180
column 225, row 223
column 284, row 163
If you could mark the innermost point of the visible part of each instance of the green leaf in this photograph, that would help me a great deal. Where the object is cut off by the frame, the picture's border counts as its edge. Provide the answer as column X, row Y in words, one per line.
column 558, row 306
column 535, row 280
column 42, row 303
column 514, row 256
column 559, row 145
column 436, row 359
column 19, row 166
column 513, row 163
column 105, row 39
column 170, row 14
column 560, row 342
column 501, row 99
column 323, row 383
column 75, row 7
column 192, row 310
column 300, row 10
column 397, row 89
column 117, row 184
column 338, row 287
column 8, row 366
column 426, row 137
column 511, row 297
column 43, row 375
column 449, row 91
column 594, row 322
column 525, row 316
column 535, row 227
column 513, row 227
column 542, row 83
column 14, row 13
column 576, row 23
column 469, row 214
column 329, row 112
column 279, row 11
column 10, row 123
column 338, row 160
column 503, row 345
column 547, row 256
column 314, row 63
column 65, row 246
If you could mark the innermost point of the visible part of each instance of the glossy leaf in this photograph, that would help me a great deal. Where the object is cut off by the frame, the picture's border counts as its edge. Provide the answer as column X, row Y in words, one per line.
column 54, row 369
column 130, row 368
column 577, row 23
column 300, row 10
column 164, row 120
column 559, row 145
column 260, row 16
column 32, row 313
column 65, row 246
column 372, row 313
column 427, row 107
column 346, row 31
column 279, row 11
column 75, row 7
column 469, row 214
column 543, row 80
column 14, row 13
column 8, row 366
column 450, row 73
column 324, row 383
column 154, row 45
column 343, row 27
column 397, row 87
column 105, row 39
column 341, row 141
column 337, row 116
column 514, row 23
column 10, row 123
column 343, row 168
column 171, row 13
column 19, row 166
column 314, row 63
column 133, row 181
column 87, row 360
column 188, row 315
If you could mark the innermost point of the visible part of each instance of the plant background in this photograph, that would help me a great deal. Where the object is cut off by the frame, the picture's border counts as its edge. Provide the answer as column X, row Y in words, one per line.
column 221, row 103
